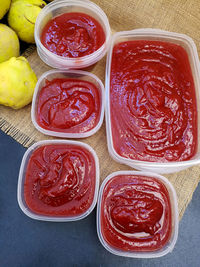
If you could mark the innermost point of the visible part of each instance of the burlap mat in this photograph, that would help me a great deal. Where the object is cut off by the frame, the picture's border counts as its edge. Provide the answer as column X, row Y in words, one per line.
column 178, row 16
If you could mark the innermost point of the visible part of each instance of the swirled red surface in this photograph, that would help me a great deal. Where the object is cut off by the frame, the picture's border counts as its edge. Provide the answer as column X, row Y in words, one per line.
column 73, row 35
column 152, row 102
column 135, row 213
column 60, row 180
column 69, row 106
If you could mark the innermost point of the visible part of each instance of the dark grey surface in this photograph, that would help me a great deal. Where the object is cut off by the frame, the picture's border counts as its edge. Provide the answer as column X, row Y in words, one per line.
column 29, row 243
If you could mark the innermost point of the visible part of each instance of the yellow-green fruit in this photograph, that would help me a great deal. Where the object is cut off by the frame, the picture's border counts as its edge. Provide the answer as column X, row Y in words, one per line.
column 34, row 2
column 9, row 43
column 17, row 82
column 22, row 16
column 4, row 6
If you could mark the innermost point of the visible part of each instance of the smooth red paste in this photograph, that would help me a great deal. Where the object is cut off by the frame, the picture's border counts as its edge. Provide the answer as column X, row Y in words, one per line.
column 60, row 180
column 152, row 102
column 135, row 213
column 73, row 35
column 68, row 105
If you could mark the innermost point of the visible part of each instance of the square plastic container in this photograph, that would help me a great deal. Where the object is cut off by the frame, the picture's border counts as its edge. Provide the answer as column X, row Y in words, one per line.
column 168, row 247
column 73, row 74
column 21, row 180
column 59, row 7
column 155, row 35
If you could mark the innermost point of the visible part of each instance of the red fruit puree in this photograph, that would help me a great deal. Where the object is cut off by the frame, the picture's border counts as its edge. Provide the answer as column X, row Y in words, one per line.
column 60, row 180
column 73, row 35
column 135, row 213
column 152, row 102
column 68, row 105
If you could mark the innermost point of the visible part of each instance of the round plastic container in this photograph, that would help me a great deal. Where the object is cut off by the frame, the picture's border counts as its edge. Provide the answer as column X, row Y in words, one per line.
column 59, row 7
column 188, row 44
column 174, row 208
column 73, row 74
column 21, row 180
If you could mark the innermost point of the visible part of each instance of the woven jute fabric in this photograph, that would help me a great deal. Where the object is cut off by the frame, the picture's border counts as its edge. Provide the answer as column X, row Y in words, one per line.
column 181, row 16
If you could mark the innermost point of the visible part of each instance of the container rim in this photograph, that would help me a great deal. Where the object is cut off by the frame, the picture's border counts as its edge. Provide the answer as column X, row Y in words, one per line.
column 154, row 33
column 21, row 178
column 83, row 3
column 62, row 134
column 173, row 202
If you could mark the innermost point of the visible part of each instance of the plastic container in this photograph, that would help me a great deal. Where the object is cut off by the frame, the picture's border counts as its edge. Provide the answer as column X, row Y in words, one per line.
column 188, row 44
column 59, row 7
column 174, row 207
column 75, row 74
column 22, row 173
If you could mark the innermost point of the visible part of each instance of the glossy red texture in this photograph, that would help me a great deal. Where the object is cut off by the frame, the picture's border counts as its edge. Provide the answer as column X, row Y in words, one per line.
column 152, row 102
column 135, row 213
column 73, row 35
column 68, row 105
column 60, row 180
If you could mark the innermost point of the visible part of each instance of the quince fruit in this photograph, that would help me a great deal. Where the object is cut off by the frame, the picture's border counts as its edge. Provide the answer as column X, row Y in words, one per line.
column 9, row 43
column 17, row 82
column 4, row 6
column 22, row 16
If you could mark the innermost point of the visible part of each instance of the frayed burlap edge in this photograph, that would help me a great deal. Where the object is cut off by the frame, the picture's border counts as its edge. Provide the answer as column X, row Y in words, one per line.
column 15, row 133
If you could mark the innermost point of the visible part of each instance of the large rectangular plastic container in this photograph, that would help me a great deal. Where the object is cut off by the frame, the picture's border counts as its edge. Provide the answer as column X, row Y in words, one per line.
column 157, row 35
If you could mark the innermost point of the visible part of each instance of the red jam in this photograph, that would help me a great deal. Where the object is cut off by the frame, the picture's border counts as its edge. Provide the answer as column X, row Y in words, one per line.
column 135, row 213
column 152, row 102
column 60, row 180
column 68, row 105
column 73, row 35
